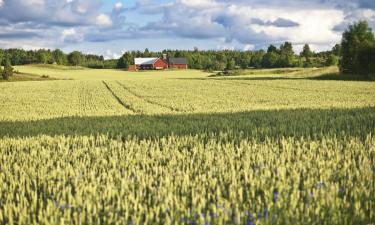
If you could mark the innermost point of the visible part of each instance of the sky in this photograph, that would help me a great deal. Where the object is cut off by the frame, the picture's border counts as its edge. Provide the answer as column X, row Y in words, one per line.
column 111, row 27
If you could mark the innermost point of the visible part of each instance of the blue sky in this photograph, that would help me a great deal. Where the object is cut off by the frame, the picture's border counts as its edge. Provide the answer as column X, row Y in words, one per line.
column 110, row 27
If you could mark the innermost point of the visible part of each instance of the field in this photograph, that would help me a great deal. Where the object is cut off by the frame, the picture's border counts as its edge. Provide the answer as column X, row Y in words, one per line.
column 186, row 147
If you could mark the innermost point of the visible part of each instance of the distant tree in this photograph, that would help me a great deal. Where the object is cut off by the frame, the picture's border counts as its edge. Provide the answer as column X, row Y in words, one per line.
column 231, row 64
column 355, row 40
column 1, row 55
column 44, row 56
column 8, row 69
column 125, row 60
column 306, row 52
column 59, row 57
column 215, row 66
column 332, row 60
column 270, row 60
column 336, row 50
column 257, row 58
column 146, row 53
column 287, row 57
column 75, row 58
column 272, row 48
column 122, row 63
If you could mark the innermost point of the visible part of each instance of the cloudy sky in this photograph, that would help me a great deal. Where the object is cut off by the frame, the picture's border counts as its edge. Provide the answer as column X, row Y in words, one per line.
column 110, row 27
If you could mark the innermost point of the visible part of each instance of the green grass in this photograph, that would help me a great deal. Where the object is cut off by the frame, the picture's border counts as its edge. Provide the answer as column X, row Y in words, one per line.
column 26, row 77
column 286, row 146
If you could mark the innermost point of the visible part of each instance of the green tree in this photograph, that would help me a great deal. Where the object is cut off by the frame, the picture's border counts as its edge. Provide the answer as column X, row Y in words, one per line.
column 270, row 60
column 272, row 48
column 1, row 55
column 356, row 39
column 231, row 64
column 59, row 57
column 146, row 53
column 366, row 62
column 44, row 56
column 287, row 58
column 336, row 50
column 75, row 58
column 8, row 69
column 125, row 60
column 332, row 60
column 306, row 52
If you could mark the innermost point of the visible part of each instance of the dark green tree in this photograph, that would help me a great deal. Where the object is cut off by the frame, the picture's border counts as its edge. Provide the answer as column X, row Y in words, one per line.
column 272, row 48
column 366, row 62
column 44, row 56
column 356, row 39
column 59, row 57
column 270, row 60
column 336, row 50
column 306, row 52
column 75, row 58
column 287, row 58
column 146, row 53
column 8, row 69
column 332, row 60
column 231, row 64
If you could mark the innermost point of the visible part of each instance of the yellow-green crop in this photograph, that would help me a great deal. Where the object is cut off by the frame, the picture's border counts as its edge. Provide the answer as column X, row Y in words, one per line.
column 112, row 147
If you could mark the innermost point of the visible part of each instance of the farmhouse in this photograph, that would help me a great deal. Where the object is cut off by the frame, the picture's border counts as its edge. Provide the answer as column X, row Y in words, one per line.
column 158, row 63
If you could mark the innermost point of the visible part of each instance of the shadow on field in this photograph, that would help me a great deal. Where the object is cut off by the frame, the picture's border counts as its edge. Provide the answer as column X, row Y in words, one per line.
column 337, row 76
column 327, row 76
column 314, row 123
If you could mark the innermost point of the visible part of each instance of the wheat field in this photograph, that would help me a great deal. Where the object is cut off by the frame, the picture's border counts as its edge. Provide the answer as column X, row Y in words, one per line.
column 186, row 147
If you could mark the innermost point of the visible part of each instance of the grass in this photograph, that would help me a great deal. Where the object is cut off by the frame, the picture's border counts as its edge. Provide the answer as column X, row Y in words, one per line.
column 291, row 146
column 27, row 77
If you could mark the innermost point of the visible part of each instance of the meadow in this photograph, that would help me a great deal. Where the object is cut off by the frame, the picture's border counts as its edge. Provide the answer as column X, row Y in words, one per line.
column 185, row 147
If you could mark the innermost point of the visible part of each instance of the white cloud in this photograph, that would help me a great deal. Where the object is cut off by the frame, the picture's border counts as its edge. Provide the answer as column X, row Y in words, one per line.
column 113, row 55
column 103, row 20
column 248, row 47
column 244, row 24
column 118, row 5
column 71, row 36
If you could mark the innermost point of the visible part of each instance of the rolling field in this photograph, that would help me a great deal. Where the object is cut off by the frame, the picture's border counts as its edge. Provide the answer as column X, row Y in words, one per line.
column 184, row 147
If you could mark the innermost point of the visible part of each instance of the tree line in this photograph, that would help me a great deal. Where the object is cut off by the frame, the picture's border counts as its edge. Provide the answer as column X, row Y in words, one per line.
column 197, row 59
column 355, row 55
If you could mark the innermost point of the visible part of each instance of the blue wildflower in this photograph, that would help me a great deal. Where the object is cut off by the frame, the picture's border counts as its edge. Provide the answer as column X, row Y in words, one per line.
column 275, row 196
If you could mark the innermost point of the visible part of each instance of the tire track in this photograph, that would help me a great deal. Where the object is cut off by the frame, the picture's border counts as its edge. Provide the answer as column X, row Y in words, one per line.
column 149, row 101
column 124, row 104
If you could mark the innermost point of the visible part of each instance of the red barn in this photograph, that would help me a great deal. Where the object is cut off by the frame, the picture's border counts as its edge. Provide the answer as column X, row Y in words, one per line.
column 178, row 63
column 150, row 64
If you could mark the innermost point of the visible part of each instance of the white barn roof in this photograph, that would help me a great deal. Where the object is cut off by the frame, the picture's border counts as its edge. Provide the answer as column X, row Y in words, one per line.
column 145, row 61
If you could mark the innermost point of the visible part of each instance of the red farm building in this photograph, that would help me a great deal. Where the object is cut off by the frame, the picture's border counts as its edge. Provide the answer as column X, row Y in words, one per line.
column 150, row 64
column 178, row 63
column 158, row 63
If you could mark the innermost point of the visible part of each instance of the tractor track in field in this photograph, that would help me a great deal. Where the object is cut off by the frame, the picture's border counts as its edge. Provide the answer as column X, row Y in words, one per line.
column 149, row 101
column 124, row 104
